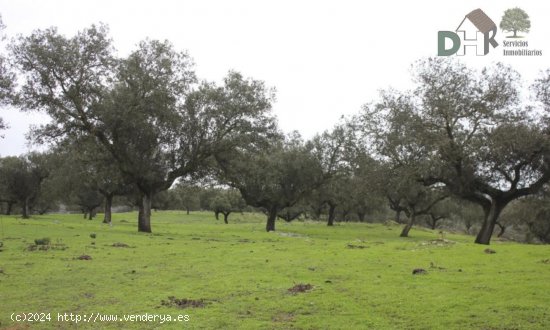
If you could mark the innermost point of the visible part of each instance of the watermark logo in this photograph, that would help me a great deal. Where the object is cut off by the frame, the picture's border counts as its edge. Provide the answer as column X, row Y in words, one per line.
column 475, row 35
column 515, row 20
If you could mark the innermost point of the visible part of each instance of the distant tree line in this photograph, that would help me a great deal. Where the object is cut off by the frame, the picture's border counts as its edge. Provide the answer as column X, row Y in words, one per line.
column 462, row 146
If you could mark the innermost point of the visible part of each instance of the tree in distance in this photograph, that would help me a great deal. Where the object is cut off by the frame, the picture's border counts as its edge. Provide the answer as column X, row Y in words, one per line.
column 227, row 201
column 514, row 20
column 186, row 196
column 274, row 177
column 22, row 177
column 90, row 175
column 333, row 151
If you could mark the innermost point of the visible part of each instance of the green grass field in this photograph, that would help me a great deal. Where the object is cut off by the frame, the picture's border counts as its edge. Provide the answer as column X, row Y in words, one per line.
column 239, row 275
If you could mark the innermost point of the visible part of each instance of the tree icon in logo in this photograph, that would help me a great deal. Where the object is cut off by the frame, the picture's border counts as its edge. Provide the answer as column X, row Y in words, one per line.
column 514, row 20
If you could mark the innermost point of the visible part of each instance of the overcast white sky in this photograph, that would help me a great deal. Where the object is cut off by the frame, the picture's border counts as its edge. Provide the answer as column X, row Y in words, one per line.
column 325, row 58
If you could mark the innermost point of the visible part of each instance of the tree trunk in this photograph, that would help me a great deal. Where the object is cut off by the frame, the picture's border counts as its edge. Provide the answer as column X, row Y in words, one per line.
column 9, row 207
column 91, row 214
column 225, row 216
column 25, row 208
column 144, row 216
column 433, row 222
column 408, row 226
column 188, row 211
column 502, row 229
column 491, row 218
column 468, row 226
column 331, row 214
column 217, row 214
column 515, row 33
column 271, row 217
column 345, row 215
column 108, row 205
column 361, row 216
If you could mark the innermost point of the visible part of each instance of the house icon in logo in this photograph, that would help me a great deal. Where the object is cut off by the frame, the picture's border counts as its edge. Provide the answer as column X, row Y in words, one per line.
column 473, row 36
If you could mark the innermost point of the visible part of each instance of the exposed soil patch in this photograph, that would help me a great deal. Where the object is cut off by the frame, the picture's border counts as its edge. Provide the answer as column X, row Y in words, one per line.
column 283, row 317
column 546, row 261
column 88, row 295
column 283, row 234
column 419, row 271
column 300, row 288
column 122, row 245
column 184, row 302
column 489, row 251
column 84, row 257
column 39, row 247
column 438, row 242
column 353, row 246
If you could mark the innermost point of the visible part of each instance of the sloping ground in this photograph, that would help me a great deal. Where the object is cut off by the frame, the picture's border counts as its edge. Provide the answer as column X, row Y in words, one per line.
column 237, row 276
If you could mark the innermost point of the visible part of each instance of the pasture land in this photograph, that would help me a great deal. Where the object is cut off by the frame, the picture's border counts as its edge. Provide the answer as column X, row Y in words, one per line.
column 305, row 275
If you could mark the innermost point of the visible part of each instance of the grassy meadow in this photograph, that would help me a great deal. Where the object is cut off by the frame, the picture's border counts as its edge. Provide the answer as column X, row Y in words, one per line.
column 237, row 276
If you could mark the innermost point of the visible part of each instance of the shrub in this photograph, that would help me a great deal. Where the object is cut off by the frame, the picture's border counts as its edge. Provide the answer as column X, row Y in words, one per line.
column 42, row 241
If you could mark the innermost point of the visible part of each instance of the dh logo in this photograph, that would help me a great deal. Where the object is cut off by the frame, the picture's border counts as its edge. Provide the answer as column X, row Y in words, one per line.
column 475, row 33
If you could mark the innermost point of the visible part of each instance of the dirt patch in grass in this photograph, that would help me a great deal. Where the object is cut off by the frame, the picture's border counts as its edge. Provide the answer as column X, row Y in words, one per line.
column 353, row 246
column 39, row 247
column 184, row 303
column 300, row 288
column 438, row 242
column 283, row 317
column 546, row 261
column 283, row 234
column 245, row 240
column 419, row 271
column 489, row 251
column 34, row 247
column 84, row 257
column 119, row 244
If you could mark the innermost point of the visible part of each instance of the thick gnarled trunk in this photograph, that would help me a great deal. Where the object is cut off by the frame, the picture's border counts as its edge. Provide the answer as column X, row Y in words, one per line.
column 144, row 215
column 331, row 214
column 271, row 217
column 408, row 226
column 25, row 209
column 488, row 226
